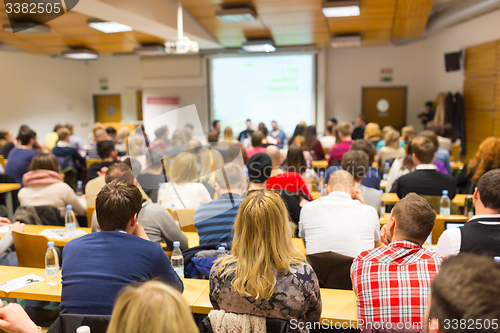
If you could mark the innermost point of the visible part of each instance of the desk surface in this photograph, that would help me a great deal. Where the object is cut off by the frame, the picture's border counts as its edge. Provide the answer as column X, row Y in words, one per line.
column 7, row 187
column 36, row 229
column 392, row 199
column 439, row 217
column 320, row 164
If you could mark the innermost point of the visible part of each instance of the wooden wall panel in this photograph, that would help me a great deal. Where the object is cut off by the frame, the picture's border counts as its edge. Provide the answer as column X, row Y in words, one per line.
column 479, row 125
column 498, row 57
column 479, row 93
column 471, row 148
column 496, row 124
column 481, row 60
column 497, row 93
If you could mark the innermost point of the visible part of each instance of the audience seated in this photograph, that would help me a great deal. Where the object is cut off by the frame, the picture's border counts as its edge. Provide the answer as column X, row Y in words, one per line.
column 228, row 135
column 111, row 132
column 7, row 256
column 328, row 141
column 465, row 296
column 386, row 129
column 356, row 163
column 344, row 131
column 392, row 148
column 67, row 156
column 121, row 140
column 161, row 134
column 448, row 131
column 373, row 134
column 156, row 220
column 154, row 174
column 108, row 154
column 442, row 158
column 486, row 158
column 7, row 142
column 265, row 275
column 407, row 133
column 44, row 186
column 400, row 167
column 425, row 180
column 20, row 157
column 274, row 153
column 359, row 131
column 214, row 220
column 74, row 140
column 51, row 138
column 178, row 143
column 268, row 139
column 339, row 222
column 259, row 171
column 312, row 144
column 182, row 191
column 278, row 135
column 256, row 139
column 481, row 234
column 443, row 143
column 96, row 266
column 100, row 134
column 247, row 132
column 392, row 282
column 136, row 149
column 299, row 130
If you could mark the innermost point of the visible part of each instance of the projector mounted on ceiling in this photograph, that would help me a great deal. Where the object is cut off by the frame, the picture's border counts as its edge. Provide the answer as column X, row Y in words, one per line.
column 259, row 45
column 341, row 8
column 351, row 40
column 182, row 44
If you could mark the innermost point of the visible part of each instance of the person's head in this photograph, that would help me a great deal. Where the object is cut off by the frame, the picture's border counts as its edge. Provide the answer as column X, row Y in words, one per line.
column 449, row 132
column 123, row 133
column 152, row 307
column 330, row 131
column 154, row 157
column 213, row 137
column 117, row 206
column 391, row 139
column 135, row 145
column 341, row 181
column 228, row 134
column 274, row 153
column 295, row 161
column 361, row 120
column 97, row 126
column 230, row 179
column 428, row 106
column 71, row 128
column 332, row 122
column 259, row 168
column 423, row 150
column 262, row 127
column 26, row 137
column 111, row 132
column 6, row 135
column 190, row 128
column 344, row 131
column 179, row 138
column 372, row 130
column 106, row 150
column 432, row 126
column 466, row 290
column 486, row 157
column 487, row 193
column 256, row 139
column 121, row 172
column 356, row 163
column 249, row 124
column 412, row 219
column 274, row 125
column 63, row 133
column 101, row 135
column 386, row 129
column 311, row 137
column 234, row 150
column 57, row 127
column 299, row 130
column 43, row 161
column 184, row 168
column 367, row 147
column 407, row 133
column 161, row 133
column 216, row 124
column 262, row 244
column 188, row 134
column 300, row 141
column 431, row 136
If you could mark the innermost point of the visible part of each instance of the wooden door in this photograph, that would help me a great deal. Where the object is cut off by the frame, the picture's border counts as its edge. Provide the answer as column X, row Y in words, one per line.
column 385, row 106
column 108, row 108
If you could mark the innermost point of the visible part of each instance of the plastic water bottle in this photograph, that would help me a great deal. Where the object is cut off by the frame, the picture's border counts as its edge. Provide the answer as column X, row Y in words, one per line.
column 177, row 260
column 386, row 170
column 382, row 204
column 308, row 175
column 445, row 204
column 51, row 265
column 321, row 184
column 79, row 189
column 70, row 222
column 173, row 212
column 221, row 252
column 83, row 329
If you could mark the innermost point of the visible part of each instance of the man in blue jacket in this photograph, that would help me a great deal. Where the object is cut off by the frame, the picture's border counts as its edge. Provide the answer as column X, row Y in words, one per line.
column 96, row 266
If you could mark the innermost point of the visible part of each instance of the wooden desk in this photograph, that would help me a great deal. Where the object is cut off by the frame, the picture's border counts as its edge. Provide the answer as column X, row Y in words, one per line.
column 392, row 199
column 315, row 195
column 7, row 188
column 36, row 229
column 383, row 184
column 456, row 165
column 320, row 164
column 459, row 199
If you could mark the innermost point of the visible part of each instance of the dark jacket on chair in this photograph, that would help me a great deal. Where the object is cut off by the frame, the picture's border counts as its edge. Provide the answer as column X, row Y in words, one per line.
column 68, row 323
column 333, row 269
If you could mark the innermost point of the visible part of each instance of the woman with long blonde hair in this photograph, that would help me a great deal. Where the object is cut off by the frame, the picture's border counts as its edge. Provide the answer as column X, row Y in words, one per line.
column 392, row 148
column 265, row 275
column 373, row 133
column 487, row 158
column 228, row 135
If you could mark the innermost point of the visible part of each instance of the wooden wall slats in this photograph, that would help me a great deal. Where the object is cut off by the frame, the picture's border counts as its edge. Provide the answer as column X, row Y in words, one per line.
column 481, row 60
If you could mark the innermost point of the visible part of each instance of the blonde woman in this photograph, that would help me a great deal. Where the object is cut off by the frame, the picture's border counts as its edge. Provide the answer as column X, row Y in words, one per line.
column 373, row 133
column 121, row 139
column 228, row 135
column 392, row 148
column 265, row 275
column 181, row 190
column 408, row 133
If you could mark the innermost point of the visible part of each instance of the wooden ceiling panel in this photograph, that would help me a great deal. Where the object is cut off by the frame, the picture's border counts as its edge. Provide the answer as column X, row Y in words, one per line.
column 313, row 27
column 412, row 8
column 279, row 6
column 292, row 17
column 139, row 37
column 411, row 18
column 322, row 39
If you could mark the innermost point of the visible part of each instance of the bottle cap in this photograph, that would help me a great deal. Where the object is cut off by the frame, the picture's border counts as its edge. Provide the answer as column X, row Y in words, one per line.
column 79, row 182
column 177, row 244
column 222, row 249
column 51, row 243
column 83, row 329
column 172, row 206
column 321, row 173
column 387, row 163
column 445, row 192
column 68, row 207
column 381, row 191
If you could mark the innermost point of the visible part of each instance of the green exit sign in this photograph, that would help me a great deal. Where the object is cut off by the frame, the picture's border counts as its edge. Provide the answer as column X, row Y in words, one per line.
column 386, row 79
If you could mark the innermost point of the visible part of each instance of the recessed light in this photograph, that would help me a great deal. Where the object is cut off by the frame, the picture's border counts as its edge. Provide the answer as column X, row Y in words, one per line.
column 352, row 40
column 236, row 14
column 108, row 27
column 259, row 45
column 341, row 8
column 81, row 54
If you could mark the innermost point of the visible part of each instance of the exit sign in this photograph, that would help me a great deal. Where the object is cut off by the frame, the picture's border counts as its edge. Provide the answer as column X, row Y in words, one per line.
column 386, row 79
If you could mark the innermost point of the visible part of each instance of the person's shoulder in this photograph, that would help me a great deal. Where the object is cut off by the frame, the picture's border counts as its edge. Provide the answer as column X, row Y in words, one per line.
column 302, row 270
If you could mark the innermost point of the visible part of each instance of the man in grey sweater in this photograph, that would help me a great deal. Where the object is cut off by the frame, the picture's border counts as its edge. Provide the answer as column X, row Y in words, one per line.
column 156, row 220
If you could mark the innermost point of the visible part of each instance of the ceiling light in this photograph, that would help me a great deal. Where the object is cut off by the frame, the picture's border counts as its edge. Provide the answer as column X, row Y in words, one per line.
column 341, row 8
column 236, row 14
column 151, row 50
column 108, row 27
column 259, row 45
column 26, row 27
column 353, row 40
column 82, row 53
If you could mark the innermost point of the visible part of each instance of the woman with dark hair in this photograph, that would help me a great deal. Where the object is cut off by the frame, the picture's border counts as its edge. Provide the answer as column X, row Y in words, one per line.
column 299, row 130
column 295, row 161
column 400, row 167
column 449, row 132
column 312, row 143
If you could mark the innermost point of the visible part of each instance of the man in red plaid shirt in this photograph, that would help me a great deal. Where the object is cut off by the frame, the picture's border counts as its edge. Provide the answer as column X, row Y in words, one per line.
column 393, row 282
column 344, row 131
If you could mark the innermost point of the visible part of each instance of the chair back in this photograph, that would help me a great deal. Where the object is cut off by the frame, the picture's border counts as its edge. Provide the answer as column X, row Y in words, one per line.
column 30, row 249
column 186, row 220
column 68, row 323
column 435, row 202
column 90, row 213
column 70, row 176
column 2, row 161
column 333, row 269
column 311, row 184
column 272, row 325
column 455, row 153
column 90, row 161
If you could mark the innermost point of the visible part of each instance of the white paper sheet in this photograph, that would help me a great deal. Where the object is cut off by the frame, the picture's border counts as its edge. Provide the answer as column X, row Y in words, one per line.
column 21, row 282
column 4, row 229
column 59, row 234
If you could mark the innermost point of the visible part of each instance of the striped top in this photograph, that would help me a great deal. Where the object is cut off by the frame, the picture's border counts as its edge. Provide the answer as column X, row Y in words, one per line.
column 214, row 220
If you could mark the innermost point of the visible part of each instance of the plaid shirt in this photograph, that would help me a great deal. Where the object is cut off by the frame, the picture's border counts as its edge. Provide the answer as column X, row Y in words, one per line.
column 393, row 282
column 339, row 150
